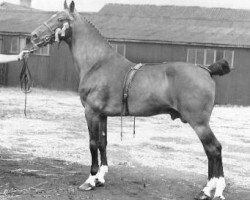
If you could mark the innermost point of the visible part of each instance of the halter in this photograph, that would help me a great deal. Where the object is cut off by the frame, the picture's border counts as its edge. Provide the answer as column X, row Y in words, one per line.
column 47, row 38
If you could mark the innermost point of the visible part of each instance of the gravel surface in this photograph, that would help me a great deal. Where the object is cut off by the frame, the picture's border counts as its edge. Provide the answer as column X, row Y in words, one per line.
column 165, row 159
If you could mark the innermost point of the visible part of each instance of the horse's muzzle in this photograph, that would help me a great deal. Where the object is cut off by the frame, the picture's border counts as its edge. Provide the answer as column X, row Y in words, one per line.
column 43, row 42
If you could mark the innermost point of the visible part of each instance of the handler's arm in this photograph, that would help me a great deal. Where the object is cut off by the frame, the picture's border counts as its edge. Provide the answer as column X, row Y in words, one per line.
column 11, row 58
column 8, row 58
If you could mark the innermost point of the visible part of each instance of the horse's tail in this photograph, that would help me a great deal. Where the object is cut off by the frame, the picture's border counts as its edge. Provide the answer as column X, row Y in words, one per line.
column 220, row 68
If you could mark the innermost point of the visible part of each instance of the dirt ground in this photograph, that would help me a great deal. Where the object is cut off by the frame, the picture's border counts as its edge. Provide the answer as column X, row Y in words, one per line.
column 45, row 155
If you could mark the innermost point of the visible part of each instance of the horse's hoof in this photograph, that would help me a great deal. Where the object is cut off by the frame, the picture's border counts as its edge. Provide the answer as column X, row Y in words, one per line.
column 86, row 187
column 99, row 184
column 219, row 198
column 202, row 196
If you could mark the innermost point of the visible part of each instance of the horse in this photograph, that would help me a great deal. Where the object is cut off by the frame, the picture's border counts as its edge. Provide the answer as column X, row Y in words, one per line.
column 183, row 90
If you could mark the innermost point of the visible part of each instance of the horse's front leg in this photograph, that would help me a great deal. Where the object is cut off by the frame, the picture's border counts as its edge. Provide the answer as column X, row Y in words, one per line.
column 102, row 148
column 97, row 126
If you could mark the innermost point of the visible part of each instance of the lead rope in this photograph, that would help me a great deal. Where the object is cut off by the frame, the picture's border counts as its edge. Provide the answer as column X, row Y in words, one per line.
column 25, row 105
column 134, row 128
column 25, row 81
column 121, row 126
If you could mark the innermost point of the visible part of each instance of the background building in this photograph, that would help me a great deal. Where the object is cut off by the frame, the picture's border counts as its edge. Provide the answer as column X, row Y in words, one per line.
column 144, row 33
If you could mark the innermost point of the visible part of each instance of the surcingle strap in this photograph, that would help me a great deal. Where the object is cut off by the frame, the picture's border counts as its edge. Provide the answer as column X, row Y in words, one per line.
column 127, row 82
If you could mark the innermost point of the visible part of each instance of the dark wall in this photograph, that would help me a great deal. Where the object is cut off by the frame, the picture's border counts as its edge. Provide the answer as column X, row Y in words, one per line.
column 56, row 71
column 233, row 88
column 153, row 53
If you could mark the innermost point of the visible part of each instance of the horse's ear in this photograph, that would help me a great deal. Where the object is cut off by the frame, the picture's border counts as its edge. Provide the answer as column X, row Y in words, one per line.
column 66, row 5
column 72, row 6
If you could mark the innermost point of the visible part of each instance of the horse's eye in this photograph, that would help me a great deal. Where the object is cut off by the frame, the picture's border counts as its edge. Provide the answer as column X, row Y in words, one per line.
column 60, row 19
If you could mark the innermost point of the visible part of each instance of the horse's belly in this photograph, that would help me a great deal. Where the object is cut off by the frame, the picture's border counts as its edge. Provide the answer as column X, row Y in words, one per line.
column 149, row 102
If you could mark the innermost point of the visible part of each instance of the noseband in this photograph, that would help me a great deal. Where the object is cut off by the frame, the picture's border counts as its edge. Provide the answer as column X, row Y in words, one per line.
column 47, row 38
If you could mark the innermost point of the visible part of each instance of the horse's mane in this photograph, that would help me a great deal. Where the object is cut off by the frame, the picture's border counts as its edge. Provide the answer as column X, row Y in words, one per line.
column 93, row 26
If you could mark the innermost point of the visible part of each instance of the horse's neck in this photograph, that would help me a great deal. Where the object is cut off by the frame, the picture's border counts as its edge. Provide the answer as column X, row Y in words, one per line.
column 89, row 47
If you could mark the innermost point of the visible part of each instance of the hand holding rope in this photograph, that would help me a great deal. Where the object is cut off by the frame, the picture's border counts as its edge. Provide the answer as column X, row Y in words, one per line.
column 25, row 79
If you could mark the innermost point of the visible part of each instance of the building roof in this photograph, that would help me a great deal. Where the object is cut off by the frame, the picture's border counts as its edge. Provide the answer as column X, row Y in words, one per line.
column 163, row 24
column 176, row 12
column 11, row 6
column 20, row 21
column 176, row 24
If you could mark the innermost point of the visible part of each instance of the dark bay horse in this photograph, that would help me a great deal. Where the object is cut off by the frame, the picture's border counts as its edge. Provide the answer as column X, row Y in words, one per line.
column 183, row 90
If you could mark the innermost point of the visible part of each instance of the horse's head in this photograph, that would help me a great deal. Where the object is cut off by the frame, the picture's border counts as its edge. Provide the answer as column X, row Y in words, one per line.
column 58, row 27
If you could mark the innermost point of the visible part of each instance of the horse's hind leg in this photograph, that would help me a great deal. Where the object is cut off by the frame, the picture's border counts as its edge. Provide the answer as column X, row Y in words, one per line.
column 97, row 139
column 212, row 148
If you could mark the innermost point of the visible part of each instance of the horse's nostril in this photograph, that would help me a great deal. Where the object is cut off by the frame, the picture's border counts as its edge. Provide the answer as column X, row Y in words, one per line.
column 34, row 36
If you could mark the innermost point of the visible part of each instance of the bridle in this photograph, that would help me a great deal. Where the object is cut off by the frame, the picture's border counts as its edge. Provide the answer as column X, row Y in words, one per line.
column 47, row 38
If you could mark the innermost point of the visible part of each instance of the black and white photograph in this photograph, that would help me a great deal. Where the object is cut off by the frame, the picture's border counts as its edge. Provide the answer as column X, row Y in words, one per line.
column 124, row 100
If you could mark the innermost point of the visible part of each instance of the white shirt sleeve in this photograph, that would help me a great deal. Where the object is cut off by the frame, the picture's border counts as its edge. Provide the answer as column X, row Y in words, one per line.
column 8, row 58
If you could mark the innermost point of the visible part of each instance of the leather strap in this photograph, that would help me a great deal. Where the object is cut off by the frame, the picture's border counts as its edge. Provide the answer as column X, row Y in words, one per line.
column 127, row 82
column 203, row 67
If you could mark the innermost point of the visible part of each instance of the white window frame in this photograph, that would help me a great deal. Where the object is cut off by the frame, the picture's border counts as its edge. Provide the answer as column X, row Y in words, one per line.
column 115, row 46
column 205, row 56
column 124, row 49
column 18, row 45
column 188, row 52
column 1, row 44
column 22, row 43
column 40, row 52
column 231, row 63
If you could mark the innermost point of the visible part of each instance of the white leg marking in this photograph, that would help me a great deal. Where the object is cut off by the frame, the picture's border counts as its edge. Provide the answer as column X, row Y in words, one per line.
column 91, row 180
column 220, row 186
column 211, row 185
column 101, row 173
column 89, row 183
